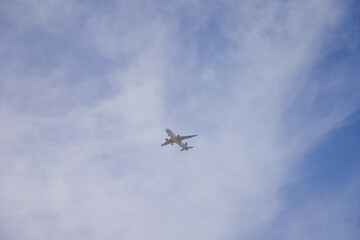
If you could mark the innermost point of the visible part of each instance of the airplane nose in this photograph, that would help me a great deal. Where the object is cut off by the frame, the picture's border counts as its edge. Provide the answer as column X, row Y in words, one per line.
column 167, row 130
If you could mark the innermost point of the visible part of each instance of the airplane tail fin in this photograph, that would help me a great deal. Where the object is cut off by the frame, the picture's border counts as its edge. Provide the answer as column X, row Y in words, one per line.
column 186, row 147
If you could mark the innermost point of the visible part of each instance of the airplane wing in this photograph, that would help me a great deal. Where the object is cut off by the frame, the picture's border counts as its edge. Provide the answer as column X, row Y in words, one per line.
column 186, row 137
column 168, row 141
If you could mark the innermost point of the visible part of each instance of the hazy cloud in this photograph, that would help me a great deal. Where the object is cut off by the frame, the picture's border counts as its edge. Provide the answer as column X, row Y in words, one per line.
column 88, row 89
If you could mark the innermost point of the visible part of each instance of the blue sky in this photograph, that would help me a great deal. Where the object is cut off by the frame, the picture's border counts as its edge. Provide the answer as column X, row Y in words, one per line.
column 88, row 88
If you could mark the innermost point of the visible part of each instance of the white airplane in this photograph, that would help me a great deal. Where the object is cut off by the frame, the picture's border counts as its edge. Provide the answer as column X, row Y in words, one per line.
column 177, row 139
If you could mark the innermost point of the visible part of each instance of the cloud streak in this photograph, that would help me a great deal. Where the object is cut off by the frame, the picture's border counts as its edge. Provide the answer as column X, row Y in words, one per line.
column 80, row 155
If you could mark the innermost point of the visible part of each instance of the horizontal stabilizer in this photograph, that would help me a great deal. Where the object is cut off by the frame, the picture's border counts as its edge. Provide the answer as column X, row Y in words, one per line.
column 187, row 148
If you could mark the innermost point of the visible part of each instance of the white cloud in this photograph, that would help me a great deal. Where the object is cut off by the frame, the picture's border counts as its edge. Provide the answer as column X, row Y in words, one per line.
column 94, row 169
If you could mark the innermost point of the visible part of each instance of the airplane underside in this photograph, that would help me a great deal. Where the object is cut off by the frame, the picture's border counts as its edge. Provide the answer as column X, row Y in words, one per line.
column 177, row 139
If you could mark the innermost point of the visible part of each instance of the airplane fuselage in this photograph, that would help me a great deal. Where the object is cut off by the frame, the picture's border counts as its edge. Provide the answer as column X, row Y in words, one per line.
column 175, row 139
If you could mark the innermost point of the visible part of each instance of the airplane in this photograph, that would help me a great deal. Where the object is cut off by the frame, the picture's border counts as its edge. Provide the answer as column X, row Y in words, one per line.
column 177, row 139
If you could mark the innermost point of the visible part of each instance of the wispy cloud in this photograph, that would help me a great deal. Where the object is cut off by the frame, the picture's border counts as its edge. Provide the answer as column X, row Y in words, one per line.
column 87, row 91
